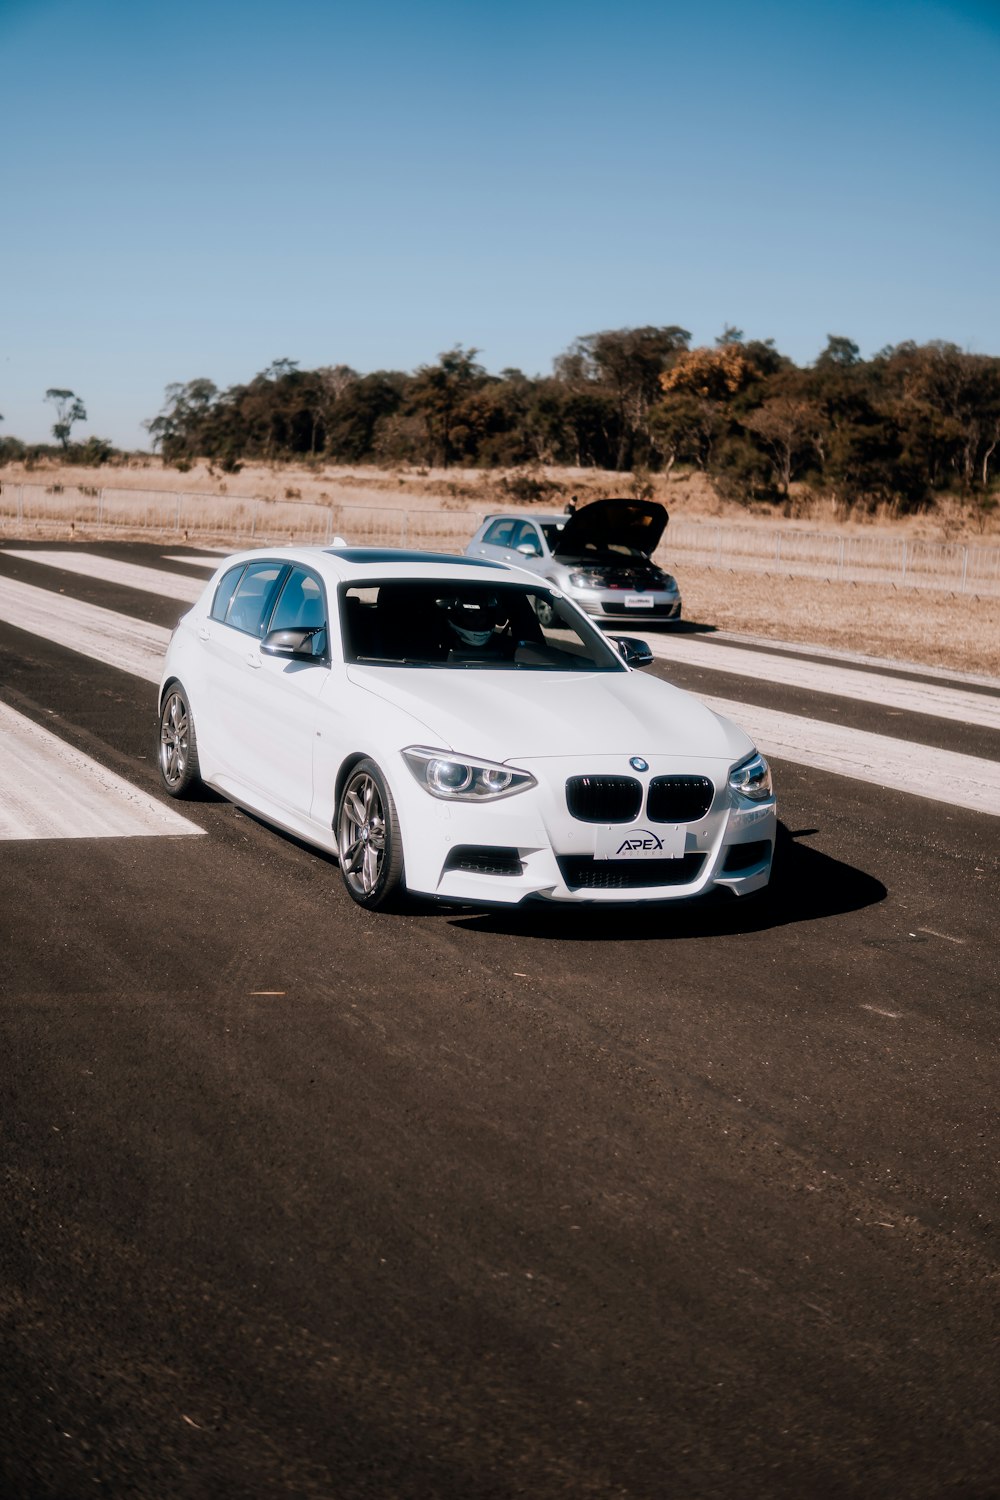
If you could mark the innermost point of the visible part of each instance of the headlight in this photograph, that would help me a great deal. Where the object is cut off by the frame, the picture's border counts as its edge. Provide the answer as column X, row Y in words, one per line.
column 752, row 778
column 587, row 578
column 457, row 778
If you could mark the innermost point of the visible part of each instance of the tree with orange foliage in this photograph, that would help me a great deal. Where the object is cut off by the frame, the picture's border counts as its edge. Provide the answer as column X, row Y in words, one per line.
column 715, row 374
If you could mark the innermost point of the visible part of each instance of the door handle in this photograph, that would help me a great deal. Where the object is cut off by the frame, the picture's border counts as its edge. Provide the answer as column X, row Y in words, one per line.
column 253, row 660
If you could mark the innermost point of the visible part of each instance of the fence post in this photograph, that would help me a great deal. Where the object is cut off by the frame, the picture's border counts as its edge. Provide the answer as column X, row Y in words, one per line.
column 177, row 514
column 253, row 523
column 718, row 546
column 20, row 504
column 777, row 549
column 903, row 579
column 840, row 562
column 405, row 533
column 965, row 568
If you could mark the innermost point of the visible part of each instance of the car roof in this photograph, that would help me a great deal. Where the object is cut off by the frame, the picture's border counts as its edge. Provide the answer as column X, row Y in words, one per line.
column 350, row 564
column 560, row 517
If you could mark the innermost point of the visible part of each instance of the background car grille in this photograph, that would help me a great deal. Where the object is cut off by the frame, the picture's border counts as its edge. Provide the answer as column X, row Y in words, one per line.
column 604, row 799
column 581, row 872
column 484, row 859
column 632, row 578
column 678, row 799
column 660, row 611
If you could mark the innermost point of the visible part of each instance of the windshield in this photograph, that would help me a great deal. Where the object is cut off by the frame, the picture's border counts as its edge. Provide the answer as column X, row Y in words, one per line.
column 601, row 552
column 484, row 626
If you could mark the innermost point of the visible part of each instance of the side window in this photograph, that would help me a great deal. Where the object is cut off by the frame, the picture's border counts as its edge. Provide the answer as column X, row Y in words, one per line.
column 223, row 594
column 250, row 605
column 500, row 533
column 302, row 606
column 527, row 536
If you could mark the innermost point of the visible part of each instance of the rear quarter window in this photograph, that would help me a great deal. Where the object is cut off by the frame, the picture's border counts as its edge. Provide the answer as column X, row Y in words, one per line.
column 225, row 591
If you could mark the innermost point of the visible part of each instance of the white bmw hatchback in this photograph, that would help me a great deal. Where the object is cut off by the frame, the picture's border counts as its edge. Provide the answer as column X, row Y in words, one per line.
column 456, row 728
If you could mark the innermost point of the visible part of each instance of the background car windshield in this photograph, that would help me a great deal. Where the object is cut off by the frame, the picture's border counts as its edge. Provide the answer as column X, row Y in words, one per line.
column 485, row 626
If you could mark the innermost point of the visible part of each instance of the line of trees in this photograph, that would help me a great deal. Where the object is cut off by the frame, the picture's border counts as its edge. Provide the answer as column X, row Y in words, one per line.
column 913, row 422
column 910, row 424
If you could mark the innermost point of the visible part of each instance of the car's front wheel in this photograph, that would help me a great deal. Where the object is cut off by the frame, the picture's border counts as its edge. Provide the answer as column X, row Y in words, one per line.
column 177, row 752
column 368, row 839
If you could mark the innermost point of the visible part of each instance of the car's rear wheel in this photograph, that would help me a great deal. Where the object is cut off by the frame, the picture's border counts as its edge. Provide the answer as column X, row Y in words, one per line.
column 368, row 839
column 177, row 752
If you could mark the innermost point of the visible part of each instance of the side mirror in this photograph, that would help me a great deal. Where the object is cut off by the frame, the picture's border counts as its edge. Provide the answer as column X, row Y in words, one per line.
column 633, row 651
column 291, row 645
column 529, row 549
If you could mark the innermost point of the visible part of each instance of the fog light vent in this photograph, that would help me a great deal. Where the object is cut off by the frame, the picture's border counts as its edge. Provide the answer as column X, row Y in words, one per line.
column 741, row 857
column 484, row 859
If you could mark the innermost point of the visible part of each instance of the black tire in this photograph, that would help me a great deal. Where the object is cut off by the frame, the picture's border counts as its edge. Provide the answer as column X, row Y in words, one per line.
column 177, row 746
column 369, row 843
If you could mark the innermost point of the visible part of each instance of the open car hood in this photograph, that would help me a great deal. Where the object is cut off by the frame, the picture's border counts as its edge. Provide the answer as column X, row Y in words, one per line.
column 612, row 524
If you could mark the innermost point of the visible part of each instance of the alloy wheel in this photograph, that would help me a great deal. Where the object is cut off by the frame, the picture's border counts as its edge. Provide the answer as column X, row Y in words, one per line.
column 174, row 739
column 362, row 834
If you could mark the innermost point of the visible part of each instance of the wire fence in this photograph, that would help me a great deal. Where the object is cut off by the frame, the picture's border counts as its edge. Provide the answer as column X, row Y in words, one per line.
column 906, row 562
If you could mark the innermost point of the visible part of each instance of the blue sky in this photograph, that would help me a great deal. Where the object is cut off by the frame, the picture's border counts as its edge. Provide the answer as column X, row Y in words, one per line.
column 196, row 189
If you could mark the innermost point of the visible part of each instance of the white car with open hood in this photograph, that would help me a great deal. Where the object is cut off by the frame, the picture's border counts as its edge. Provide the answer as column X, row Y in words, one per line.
column 457, row 728
column 601, row 556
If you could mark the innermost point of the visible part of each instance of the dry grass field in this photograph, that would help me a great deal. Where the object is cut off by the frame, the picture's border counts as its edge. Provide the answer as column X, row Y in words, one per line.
column 955, row 631
column 958, row 632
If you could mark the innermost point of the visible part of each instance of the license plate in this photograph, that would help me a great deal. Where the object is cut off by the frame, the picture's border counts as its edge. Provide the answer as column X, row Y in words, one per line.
column 638, row 601
column 615, row 842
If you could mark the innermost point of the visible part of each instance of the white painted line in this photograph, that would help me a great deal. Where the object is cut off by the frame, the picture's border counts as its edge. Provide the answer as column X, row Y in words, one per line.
column 834, row 653
column 101, row 634
column 900, row 765
column 942, row 775
column 48, row 790
column 200, row 562
column 112, row 570
column 929, row 698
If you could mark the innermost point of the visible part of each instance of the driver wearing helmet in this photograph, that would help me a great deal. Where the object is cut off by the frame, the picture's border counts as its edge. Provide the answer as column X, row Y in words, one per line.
column 472, row 627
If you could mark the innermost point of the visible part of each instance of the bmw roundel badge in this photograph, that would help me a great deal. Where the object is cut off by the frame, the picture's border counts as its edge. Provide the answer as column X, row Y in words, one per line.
column 638, row 764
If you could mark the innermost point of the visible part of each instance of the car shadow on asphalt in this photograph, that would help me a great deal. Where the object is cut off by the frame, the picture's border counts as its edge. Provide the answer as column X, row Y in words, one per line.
column 806, row 886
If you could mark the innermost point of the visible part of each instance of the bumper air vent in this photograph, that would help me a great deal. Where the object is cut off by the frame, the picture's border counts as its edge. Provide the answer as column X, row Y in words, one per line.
column 581, row 873
column 484, row 859
column 746, row 856
column 653, row 611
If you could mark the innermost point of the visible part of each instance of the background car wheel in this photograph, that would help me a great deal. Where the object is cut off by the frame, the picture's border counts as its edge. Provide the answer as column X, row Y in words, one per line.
column 368, row 839
column 177, row 752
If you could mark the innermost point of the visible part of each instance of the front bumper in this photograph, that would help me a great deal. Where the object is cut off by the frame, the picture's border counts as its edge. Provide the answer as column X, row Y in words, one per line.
column 610, row 604
column 529, row 846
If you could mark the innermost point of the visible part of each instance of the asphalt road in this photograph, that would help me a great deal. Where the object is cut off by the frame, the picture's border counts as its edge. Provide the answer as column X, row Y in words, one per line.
column 303, row 1201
